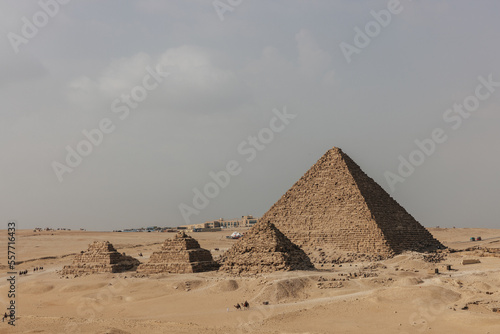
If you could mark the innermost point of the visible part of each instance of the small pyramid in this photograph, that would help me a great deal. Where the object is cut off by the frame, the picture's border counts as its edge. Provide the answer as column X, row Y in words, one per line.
column 335, row 208
column 101, row 257
column 264, row 249
column 180, row 255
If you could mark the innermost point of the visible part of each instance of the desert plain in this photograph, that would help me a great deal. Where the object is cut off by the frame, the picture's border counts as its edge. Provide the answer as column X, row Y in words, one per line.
column 402, row 294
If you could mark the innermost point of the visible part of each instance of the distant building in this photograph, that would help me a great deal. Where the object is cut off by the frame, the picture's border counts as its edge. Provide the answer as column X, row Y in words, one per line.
column 245, row 221
column 248, row 221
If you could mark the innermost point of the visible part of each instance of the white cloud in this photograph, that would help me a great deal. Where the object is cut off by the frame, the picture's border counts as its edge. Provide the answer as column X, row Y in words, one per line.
column 195, row 84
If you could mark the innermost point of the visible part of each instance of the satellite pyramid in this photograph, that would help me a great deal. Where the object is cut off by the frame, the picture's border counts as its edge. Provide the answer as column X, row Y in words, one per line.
column 264, row 249
column 101, row 257
column 182, row 254
column 336, row 208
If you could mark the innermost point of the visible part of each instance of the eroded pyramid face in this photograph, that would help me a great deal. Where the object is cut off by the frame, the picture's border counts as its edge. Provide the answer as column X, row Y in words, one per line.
column 335, row 206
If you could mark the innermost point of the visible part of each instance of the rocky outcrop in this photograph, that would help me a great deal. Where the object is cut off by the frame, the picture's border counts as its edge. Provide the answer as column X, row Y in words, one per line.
column 264, row 249
column 101, row 257
column 180, row 255
column 335, row 209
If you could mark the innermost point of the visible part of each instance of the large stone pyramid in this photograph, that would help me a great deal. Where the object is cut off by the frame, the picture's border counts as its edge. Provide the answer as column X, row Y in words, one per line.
column 101, row 257
column 180, row 255
column 264, row 249
column 335, row 208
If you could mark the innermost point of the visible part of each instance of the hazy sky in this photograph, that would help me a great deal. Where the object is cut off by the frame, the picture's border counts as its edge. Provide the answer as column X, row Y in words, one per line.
column 370, row 77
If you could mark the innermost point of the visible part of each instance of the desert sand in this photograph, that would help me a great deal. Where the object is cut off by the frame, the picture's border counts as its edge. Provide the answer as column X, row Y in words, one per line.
column 397, row 295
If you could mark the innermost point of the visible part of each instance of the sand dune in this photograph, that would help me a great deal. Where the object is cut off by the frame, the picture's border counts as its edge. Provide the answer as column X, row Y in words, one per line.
column 398, row 295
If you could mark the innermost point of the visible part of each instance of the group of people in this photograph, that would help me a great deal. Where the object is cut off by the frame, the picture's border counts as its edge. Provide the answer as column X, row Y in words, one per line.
column 25, row 272
column 244, row 305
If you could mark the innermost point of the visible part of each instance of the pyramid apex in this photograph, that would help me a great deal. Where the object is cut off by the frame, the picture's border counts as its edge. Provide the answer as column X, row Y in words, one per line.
column 335, row 149
column 181, row 234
